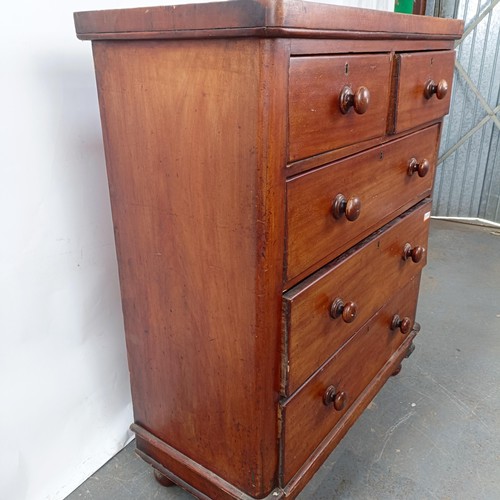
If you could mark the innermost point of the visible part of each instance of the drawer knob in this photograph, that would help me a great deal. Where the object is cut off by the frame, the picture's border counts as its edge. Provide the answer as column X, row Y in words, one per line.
column 440, row 89
column 413, row 253
column 348, row 310
column 359, row 100
column 351, row 207
column 404, row 324
column 338, row 399
column 420, row 168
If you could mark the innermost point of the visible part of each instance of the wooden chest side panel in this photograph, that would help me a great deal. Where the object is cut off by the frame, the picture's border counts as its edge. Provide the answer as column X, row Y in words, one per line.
column 181, row 127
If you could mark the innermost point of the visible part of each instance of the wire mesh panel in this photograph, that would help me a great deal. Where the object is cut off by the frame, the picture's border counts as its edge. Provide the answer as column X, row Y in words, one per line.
column 468, row 175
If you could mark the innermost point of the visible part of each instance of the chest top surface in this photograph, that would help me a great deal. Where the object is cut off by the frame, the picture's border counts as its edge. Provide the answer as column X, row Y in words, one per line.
column 260, row 18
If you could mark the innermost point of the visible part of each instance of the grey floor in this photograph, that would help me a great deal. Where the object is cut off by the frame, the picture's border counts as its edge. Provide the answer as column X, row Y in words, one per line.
column 433, row 432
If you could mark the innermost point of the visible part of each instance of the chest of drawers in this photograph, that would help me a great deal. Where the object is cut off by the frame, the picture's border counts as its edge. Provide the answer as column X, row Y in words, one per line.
column 270, row 166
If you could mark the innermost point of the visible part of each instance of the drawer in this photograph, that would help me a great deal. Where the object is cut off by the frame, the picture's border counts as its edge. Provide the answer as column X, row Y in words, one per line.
column 316, row 322
column 306, row 418
column 377, row 180
column 316, row 122
column 418, row 101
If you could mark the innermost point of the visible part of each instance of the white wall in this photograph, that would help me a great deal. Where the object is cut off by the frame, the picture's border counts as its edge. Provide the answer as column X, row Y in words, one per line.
column 64, row 390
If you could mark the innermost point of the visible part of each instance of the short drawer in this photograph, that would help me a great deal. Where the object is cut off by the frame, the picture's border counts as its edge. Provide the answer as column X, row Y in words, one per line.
column 307, row 417
column 424, row 91
column 324, row 311
column 317, row 84
column 334, row 207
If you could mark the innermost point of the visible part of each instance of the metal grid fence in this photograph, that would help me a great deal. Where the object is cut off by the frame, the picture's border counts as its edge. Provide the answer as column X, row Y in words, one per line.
column 468, row 175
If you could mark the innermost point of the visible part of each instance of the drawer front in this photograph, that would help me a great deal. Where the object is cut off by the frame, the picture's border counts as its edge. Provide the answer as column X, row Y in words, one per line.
column 378, row 179
column 325, row 311
column 316, row 121
column 418, row 101
column 306, row 418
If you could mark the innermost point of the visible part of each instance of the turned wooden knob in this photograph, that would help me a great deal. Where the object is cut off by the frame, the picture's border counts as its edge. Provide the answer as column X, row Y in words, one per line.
column 337, row 399
column 414, row 253
column 404, row 324
column 420, row 168
column 348, row 310
column 358, row 100
column 440, row 89
column 350, row 208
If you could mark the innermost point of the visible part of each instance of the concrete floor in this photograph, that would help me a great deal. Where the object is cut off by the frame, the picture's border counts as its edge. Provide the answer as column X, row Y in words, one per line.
column 434, row 430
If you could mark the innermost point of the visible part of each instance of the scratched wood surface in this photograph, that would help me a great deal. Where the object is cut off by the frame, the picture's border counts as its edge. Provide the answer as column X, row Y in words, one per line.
column 196, row 231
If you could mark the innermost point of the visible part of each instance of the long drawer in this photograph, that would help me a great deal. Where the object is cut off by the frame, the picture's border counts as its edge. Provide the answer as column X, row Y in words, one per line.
column 327, row 309
column 311, row 413
column 334, row 207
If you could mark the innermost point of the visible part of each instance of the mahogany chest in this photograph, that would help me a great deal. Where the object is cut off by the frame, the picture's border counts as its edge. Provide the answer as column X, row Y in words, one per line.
column 270, row 165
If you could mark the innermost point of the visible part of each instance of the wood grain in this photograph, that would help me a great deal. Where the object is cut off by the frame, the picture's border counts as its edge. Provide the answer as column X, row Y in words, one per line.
column 316, row 122
column 332, row 439
column 195, row 191
column 173, row 18
column 350, row 370
column 415, row 69
column 382, row 184
column 312, row 335
column 267, row 17
column 320, row 17
column 308, row 46
column 337, row 154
